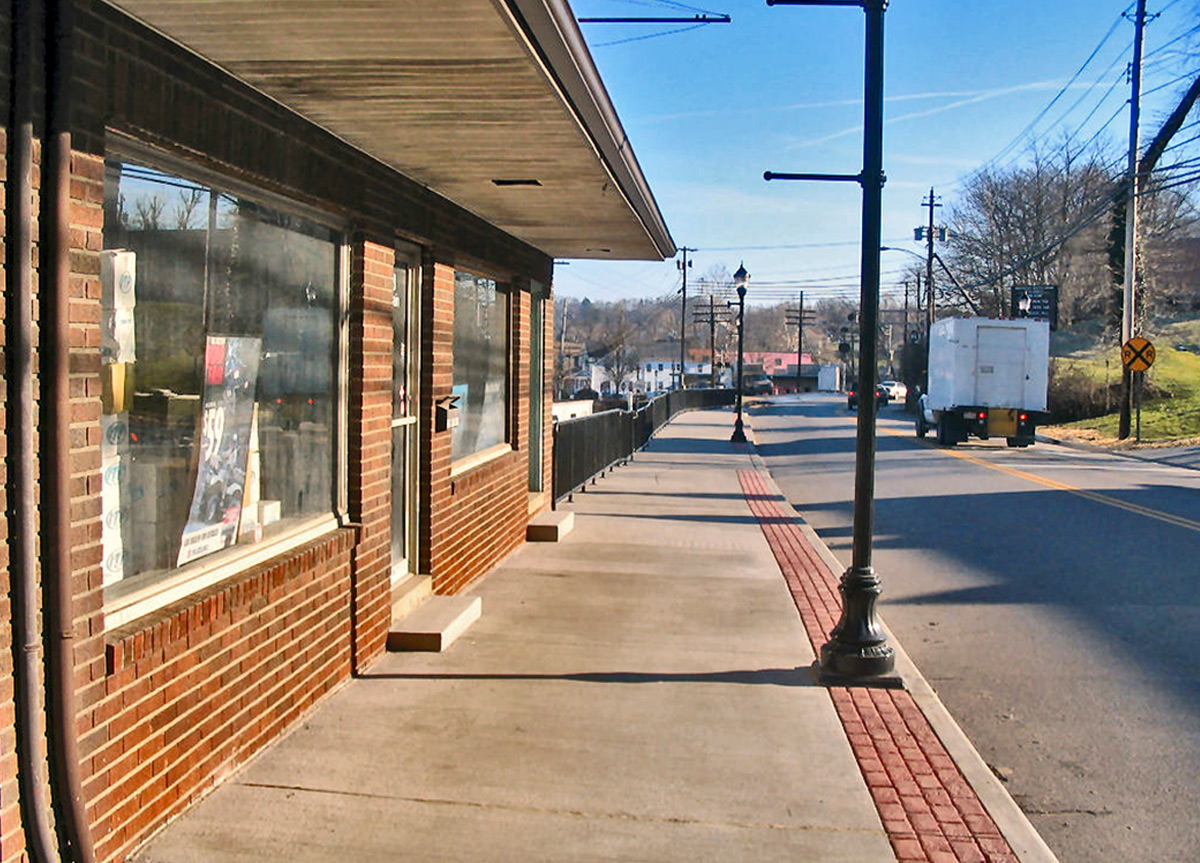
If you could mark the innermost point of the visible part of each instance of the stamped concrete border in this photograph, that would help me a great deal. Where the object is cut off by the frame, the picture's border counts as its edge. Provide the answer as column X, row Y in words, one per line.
column 1016, row 828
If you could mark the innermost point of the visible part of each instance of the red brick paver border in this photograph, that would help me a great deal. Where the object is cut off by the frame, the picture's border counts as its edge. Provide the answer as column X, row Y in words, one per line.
column 929, row 810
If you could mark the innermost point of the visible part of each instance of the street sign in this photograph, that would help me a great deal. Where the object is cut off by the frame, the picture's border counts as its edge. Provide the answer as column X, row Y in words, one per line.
column 1137, row 354
column 1035, row 301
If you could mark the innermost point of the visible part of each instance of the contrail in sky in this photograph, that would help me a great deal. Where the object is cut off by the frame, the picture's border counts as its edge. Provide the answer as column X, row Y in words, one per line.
column 968, row 96
column 971, row 99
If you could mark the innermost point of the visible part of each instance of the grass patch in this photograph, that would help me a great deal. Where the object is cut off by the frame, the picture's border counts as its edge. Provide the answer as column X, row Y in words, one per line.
column 1170, row 416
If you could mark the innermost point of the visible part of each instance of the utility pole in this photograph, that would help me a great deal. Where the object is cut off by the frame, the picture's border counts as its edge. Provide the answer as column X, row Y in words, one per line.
column 1128, row 292
column 683, row 268
column 711, row 316
column 800, row 317
column 931, row 203
column 562, row 353
column 927, row 231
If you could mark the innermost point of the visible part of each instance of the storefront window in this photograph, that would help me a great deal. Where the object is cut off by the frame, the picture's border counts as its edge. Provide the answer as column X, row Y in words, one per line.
column 219, row 359
column 480, row 364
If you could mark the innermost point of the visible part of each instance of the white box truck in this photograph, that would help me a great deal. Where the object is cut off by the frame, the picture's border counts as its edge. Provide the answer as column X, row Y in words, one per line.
column 987, row 378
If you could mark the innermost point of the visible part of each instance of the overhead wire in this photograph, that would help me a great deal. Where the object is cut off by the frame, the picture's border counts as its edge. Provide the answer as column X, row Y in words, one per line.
column 1173, row 178
column 1023, row 134
column 669, row 4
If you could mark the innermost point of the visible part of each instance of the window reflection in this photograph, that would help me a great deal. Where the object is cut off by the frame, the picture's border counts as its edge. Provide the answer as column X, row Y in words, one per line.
column 218, row 355
column 480, row 364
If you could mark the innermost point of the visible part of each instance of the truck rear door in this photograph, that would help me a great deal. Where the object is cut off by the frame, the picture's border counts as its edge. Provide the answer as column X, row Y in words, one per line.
column 1000, row 366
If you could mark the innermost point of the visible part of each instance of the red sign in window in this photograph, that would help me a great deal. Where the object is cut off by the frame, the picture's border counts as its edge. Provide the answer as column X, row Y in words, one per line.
column 214, row 363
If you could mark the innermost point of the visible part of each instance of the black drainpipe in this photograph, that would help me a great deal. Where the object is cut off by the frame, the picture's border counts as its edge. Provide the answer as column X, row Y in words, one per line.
column 74, row 834
column 22, row 501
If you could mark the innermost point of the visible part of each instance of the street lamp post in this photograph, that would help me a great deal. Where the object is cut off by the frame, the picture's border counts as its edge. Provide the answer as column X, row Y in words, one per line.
column 858, row 651
column 922, row 378
column 739, row 279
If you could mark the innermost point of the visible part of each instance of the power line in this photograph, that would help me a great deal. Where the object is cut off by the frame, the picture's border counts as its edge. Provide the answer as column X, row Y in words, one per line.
column 1033, row 123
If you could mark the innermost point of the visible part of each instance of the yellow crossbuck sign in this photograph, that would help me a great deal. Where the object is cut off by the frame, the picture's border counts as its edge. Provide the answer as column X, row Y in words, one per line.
column 1137, row 354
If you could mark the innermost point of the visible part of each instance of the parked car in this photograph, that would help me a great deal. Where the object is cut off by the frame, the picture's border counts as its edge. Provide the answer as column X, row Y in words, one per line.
column 881, row 397
column 896, row 390
column 757, row 385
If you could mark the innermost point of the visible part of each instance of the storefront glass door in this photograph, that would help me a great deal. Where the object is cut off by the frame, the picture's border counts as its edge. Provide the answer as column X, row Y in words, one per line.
column 405, row 297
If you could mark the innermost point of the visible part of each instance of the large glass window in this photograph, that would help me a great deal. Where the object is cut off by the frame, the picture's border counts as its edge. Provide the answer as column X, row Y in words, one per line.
column 480, row 364
column 219, row 368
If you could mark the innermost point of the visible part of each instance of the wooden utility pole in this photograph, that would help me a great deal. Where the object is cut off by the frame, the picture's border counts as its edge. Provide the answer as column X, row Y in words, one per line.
column 1132, row 179
column 799, row 317
column 711, row 316
column 683, row 268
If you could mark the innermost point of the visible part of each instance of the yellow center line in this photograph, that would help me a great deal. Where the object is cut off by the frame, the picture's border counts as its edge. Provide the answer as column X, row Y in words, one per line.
column 1096, row 497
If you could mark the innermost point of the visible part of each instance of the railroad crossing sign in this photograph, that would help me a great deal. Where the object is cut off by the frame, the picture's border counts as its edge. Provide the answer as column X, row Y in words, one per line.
column 1137, row 354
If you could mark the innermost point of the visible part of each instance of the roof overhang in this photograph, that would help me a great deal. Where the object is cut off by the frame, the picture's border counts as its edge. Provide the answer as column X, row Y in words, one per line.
column 494, row 104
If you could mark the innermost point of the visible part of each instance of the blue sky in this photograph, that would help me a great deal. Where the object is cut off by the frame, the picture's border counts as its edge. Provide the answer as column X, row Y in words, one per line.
column 780, row 88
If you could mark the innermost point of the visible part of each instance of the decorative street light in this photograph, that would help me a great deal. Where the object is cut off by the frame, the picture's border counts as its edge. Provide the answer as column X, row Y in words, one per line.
column 858, row 651
column 739, row 279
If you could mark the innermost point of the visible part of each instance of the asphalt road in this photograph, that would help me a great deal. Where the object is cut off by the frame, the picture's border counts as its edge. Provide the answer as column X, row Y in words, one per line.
column 1051, row 596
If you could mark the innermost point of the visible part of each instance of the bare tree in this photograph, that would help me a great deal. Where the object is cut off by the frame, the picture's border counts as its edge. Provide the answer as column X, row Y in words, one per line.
column 1040, row 223
column 620, row 360
column 148, row 211
column 186, row 206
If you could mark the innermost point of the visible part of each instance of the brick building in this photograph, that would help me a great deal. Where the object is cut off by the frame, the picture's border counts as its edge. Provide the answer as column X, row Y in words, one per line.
column 277, row 291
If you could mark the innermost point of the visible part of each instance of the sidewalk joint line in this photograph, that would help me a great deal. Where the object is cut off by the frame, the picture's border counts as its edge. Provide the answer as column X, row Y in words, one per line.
column 542, row 810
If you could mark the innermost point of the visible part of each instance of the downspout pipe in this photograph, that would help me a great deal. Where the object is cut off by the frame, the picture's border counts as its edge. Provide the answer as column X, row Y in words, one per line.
column 71, row 823
column 21, row 511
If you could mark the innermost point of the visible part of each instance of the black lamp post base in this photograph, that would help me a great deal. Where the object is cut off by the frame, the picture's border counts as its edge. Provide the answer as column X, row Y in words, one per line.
column 858, row 653
column 839, row 668
column 739, row 434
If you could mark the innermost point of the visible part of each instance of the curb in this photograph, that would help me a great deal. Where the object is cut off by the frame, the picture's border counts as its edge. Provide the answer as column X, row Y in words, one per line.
column 1087, row 447
column 1013, row 824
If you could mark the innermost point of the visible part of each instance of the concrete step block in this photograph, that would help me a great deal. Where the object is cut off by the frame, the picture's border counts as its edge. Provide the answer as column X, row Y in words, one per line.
column 435, row 624
column 550, row 526
column 409, row 594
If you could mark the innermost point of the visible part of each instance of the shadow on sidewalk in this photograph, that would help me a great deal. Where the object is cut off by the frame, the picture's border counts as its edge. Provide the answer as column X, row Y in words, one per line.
column 689, row 446
column 700, row 495
column 702, row 519
column 762, row 677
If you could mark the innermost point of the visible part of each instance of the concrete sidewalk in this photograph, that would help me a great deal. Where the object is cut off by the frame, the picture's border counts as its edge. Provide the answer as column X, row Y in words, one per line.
column 640, row 691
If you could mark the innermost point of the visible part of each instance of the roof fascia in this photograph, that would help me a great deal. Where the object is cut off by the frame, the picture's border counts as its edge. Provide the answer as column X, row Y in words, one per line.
column 552, row 31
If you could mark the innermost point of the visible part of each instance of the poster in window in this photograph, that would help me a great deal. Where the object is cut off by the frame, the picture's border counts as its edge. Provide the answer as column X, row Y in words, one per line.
column 226, row 418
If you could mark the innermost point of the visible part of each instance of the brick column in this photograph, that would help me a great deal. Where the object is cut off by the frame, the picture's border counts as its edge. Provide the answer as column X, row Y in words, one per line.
column 437, row 382
column 370, row 449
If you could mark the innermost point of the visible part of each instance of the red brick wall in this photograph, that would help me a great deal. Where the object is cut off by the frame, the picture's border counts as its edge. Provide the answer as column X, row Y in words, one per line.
column 11, row 840
column 87, row 226
column 548, row 349
column 176, row 701
column 371, row 278
column 479, row 516
column 191, row 696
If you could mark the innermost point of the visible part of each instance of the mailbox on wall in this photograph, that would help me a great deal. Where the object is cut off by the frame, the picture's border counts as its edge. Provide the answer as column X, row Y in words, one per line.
column 446, row 414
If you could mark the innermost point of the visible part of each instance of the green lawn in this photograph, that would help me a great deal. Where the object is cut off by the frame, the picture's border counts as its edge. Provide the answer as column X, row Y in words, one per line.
column 1173, row 415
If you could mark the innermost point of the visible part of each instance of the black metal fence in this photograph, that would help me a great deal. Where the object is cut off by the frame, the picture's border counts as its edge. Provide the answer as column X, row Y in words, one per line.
column 585, row 447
